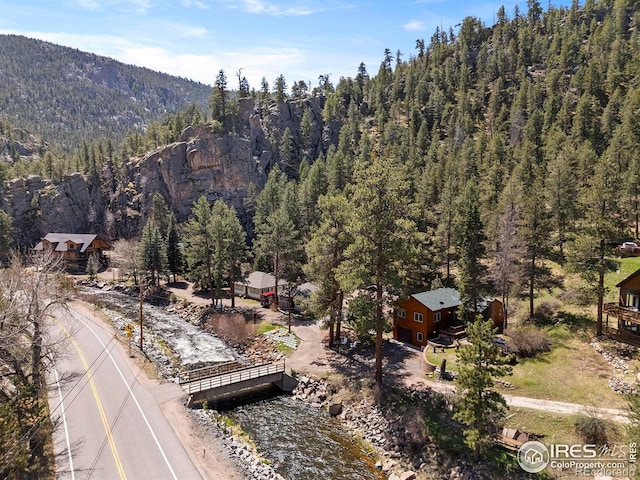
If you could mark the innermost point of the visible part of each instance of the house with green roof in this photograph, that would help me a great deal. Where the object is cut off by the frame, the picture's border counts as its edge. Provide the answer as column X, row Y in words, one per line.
column 425, row 315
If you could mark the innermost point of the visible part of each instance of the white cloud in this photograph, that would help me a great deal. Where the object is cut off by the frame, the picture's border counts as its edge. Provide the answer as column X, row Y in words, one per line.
column 181, row 30
column 262, row 7
column 195, row 3
column 413, row 26
column 105, row 5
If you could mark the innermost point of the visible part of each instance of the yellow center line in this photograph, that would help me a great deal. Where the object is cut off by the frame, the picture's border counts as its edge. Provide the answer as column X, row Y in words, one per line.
column 103, row 416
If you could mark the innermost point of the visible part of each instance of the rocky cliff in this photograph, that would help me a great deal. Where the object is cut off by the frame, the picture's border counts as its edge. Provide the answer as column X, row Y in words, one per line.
column 39, row 207
column 202, row 162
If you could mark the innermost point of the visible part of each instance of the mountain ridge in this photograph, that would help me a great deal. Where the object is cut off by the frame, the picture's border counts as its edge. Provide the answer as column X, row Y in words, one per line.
column 66, row 95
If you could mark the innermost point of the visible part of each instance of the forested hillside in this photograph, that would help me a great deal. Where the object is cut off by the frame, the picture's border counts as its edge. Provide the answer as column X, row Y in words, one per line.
column 497, row 159
column 530, row 124
column 65, row 95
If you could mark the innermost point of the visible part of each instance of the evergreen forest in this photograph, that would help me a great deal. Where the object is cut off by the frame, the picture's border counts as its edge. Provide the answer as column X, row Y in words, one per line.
column 493, row 158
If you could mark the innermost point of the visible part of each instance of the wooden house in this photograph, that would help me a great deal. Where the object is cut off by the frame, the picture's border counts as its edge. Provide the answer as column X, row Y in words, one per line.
column 74, row 246
column 423, row 315
column 426, row 315
column 626, row 311
column 493, row 309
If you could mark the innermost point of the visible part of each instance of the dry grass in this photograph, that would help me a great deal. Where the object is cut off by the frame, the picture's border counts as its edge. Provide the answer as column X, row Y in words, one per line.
column 571, row 372
column 549, row 427
column 233, row 328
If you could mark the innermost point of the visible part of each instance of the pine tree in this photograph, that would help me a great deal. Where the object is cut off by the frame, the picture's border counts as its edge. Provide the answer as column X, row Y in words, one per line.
column 286, row 152
column 153, row 252
column 159, row 214
column 175, row 261
column 325, row 251
column 533, row 228
column 471, row 278
column 199, row 247
column 306, row 128
column 93, row 265
column 384, row 238
column 600, row 225
column 6, row 235
column 278, row 241
column 218, row 101
column 235, row 244
column 480, row 408
column 280, row 89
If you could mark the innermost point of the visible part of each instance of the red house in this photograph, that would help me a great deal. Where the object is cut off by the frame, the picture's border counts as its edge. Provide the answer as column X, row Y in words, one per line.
column 423, row 315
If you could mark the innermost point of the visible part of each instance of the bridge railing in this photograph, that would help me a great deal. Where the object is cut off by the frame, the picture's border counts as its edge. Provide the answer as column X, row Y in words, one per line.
column 205, row 372
column 236, row 376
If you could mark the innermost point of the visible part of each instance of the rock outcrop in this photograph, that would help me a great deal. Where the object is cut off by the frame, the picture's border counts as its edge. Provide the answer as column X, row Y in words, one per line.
column 38, row 207
column 202, row 162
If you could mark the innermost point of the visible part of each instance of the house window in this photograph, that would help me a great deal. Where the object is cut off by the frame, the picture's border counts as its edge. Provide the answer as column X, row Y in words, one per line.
column 420, row 337
column 437, row 316
column 632, row 299
column 402, row 313
column 417, row 316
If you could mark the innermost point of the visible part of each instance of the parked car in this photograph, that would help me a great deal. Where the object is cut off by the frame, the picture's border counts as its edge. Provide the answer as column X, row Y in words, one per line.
column 629, row 248
column 267, row 299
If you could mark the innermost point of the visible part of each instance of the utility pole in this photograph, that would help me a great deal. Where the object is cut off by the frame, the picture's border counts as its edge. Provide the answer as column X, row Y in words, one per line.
column 141, row 315
column 289, row 309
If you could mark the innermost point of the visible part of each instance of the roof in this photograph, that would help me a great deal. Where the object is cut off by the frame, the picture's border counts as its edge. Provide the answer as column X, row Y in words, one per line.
column 260, row 280
column 622, row 282
column 60, row 240
column 439, row 299
column 306, row 289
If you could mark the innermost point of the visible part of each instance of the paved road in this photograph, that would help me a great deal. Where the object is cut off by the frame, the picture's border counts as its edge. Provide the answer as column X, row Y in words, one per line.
column 110, row 422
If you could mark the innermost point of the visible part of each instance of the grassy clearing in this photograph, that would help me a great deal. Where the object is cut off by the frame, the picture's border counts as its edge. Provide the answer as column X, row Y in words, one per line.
column 628, row 265
column 571, row 372
column 264, row 327
column 449, row 355
column 558, row 428
column 549, row 427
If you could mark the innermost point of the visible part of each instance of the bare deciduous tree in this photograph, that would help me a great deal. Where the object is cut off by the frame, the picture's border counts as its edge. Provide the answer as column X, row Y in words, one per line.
column 29, row 295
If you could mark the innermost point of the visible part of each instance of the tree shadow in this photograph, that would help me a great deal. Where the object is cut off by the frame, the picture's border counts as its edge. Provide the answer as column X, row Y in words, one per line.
column 574, row 321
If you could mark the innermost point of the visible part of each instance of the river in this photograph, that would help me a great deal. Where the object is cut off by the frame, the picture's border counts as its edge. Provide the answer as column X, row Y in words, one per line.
column 301, row 442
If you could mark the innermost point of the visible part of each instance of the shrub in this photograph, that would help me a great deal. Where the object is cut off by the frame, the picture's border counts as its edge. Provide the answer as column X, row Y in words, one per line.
column 545, row 311
column 528, row 341
column 233, row 329
column 592, row 429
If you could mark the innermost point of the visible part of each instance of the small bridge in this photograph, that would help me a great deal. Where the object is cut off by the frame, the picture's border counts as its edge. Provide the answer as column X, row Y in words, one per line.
column 228, row 380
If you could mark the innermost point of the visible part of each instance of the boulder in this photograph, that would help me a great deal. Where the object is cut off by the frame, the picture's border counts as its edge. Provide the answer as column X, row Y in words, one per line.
column 335, row 409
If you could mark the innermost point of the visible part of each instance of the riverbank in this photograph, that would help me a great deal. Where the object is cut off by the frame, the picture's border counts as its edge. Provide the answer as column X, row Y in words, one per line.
column 327, row 377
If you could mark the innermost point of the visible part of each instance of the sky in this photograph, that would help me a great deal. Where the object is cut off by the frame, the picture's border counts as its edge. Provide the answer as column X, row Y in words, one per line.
column 195, row 39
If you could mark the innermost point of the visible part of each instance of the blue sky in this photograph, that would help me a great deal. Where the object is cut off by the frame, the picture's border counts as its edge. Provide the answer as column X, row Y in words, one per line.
column 300, row 39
